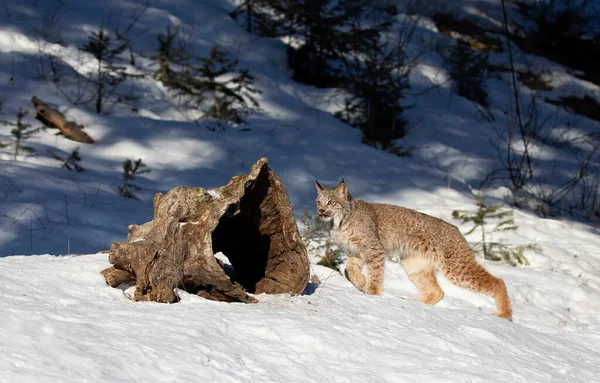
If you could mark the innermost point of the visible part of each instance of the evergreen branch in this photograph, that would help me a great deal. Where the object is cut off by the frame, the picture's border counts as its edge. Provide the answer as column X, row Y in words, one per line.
column 472, row 230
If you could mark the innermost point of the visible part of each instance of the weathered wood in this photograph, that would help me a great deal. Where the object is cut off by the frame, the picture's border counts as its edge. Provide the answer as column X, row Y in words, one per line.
column 114, row 277
column 54, row 119
column 250, row 220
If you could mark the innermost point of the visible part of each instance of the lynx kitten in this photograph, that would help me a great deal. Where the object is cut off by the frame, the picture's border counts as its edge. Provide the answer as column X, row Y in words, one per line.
column 367, row 231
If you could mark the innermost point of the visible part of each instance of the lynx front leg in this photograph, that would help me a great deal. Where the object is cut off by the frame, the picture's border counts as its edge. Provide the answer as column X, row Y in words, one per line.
column 375, row 263
column 354, row 272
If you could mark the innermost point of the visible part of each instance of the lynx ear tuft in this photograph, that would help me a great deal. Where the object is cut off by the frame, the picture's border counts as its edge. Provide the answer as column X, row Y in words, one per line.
column 342, row 190
column 318, row 185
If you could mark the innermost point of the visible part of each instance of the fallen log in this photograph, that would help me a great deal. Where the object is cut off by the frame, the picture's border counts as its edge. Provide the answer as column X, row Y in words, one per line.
column 114, row 277
column 250, row 220
column 54, row 119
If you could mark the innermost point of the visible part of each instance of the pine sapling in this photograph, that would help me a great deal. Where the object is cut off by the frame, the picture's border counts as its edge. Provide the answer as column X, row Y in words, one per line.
column 239, row 100
column 494, row 251
column 315, row 234
column 468, row 68
column 131, row 170
column 374, row 80
column 213, row 82
column 170, row 57
column 71, row 162
column 229, row 97
column 108, row 75
column 21, row 132
column 258, row 19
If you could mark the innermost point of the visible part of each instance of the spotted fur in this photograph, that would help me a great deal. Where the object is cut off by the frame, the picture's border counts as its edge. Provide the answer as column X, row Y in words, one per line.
column 369, row 231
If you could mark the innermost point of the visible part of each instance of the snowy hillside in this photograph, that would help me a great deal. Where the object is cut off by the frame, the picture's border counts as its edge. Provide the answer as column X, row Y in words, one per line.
column 58, row 325
column 61, row 321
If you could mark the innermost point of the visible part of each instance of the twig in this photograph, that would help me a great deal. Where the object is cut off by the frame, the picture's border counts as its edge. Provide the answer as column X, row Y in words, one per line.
column 50, row 231
column 325, row 281
column 38, row 217
column 20, row 215
column 96, row 196
column 8, row 14
column 69, row 227
column 136, row 17
column 81, row 191
column 516, row 93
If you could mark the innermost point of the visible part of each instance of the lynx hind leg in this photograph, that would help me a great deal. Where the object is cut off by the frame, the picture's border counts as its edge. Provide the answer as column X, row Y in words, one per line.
column 421, row 273
column 471, row 275
column 353, row 272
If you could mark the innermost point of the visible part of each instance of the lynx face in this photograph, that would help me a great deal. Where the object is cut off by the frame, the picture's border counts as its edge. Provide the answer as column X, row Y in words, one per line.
column 333, row 203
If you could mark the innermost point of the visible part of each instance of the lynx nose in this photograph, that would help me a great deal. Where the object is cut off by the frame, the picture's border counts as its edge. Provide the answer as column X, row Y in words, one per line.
column 321, row 210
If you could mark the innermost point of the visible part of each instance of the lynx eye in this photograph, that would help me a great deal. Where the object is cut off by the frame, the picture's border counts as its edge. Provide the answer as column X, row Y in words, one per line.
column 329, row 203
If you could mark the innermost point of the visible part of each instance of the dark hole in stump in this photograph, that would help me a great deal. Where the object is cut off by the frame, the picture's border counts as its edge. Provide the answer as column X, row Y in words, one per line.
column 238, row 235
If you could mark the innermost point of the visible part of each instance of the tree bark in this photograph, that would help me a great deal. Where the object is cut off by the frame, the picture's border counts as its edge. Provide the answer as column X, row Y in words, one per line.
column 54, row 119
column 250, row 220
column 114, row 277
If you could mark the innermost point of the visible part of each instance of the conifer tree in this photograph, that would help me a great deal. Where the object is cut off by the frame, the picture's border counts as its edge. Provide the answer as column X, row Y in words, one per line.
column 132, row 169
column 108, row 75
column 170, row 57
column 71, row 162
column 258, row 16
column 350, row 44
column 315, row 234
column 494, row 251
column 375, row 79
column 468, row 70
column 213, row 82
column 320, row 25
column 228, row 98
column 21, row 132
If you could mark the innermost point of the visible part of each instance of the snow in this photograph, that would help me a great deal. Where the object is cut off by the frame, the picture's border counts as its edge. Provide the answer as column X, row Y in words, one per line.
column 60, row 322
column 214, row 193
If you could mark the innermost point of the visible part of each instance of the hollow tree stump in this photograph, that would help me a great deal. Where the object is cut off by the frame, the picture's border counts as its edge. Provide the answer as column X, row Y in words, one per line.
column 250, row 220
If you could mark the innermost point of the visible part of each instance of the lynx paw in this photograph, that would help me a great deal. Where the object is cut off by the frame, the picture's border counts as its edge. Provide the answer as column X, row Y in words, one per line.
column 430, row 298
column 374, row 290
column 507, row 316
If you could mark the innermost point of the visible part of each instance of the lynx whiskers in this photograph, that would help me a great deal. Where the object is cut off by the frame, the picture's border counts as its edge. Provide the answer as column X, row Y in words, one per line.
column 369, row 231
